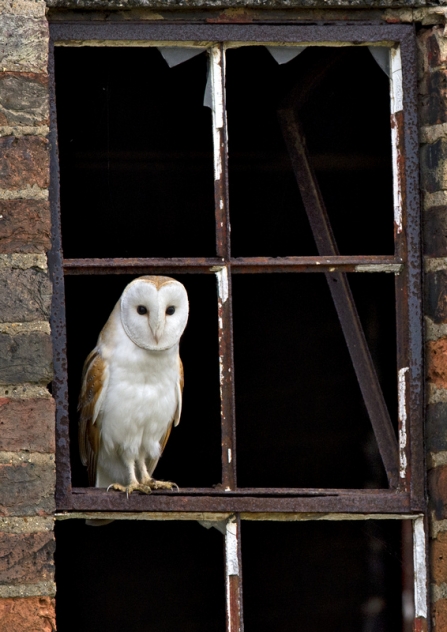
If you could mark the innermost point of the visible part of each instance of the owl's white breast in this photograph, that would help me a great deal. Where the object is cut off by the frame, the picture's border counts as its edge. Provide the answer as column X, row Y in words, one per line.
column 141, row 397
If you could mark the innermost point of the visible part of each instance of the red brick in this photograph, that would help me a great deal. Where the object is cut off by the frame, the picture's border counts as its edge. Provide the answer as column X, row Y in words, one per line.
column 26, row 357
column 31, row 614
column 25, row 226
column 437, row 362
column 27, row 424
column 433, row 82
column 438, row 558
column 27, row 488
column 26, row 558
column 24, row 161
column 24, row 99
column 439, row 615
column 437, row 481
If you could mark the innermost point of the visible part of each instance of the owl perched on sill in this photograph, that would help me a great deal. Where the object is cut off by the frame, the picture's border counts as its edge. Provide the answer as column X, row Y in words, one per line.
column 132, row 384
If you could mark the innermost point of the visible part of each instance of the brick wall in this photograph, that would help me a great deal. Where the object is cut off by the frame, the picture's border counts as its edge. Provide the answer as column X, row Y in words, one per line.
column 26, row 408
column 433, row 120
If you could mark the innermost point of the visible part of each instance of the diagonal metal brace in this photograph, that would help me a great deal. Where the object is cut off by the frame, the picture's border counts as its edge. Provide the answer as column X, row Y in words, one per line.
column 341, row 295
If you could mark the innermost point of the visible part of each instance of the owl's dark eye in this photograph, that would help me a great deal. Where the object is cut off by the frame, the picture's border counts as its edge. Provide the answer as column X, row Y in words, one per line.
column 170, row 310
column 141, row 310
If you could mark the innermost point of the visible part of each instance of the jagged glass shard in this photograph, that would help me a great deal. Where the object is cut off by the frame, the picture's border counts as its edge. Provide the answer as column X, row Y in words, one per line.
column 175, row 55
column 284, row 54
column 382, row 56
column 208, row 97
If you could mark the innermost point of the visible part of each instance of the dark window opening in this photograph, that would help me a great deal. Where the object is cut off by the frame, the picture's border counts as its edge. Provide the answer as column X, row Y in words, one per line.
column 138, row 576
column 301, row 419
column 136, row 156
column 322, row 576
column 346, row 124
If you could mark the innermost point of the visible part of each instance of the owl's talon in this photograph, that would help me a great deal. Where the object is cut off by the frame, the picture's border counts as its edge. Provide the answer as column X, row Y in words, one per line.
column 153, row 484
column 134, row 487
column 117, row 487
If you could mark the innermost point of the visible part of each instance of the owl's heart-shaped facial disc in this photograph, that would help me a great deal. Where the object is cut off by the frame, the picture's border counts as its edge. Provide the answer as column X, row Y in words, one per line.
column 154, row 312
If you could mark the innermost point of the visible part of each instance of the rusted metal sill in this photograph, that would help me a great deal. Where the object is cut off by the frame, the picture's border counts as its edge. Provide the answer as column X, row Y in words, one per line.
column 201, row 500
column 241, row 265
column 222, row 516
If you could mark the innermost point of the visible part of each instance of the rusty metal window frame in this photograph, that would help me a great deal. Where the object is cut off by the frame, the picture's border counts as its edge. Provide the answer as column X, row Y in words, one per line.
column 403, row 458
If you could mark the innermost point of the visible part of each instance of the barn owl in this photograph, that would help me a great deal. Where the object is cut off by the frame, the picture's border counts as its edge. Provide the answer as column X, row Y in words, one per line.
column 132, row 384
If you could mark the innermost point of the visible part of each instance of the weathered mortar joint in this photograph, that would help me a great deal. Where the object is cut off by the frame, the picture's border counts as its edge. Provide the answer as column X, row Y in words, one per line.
column 43, row 130
column 31, row 524
column 26, row 390
column 39, row 589
column 23, row 261
column 28, row 192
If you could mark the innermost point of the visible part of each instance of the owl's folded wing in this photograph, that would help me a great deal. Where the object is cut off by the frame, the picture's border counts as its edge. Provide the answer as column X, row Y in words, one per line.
column 180, row 384
column 151, row 464
column 95, row 376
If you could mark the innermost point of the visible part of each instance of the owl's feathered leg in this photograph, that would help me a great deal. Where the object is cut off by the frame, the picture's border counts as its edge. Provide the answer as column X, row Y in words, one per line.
column 148, row 481
column 134, row 485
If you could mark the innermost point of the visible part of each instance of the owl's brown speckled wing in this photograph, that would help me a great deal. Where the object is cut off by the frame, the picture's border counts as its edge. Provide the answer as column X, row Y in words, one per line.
column 94, row 386
column 151, row 464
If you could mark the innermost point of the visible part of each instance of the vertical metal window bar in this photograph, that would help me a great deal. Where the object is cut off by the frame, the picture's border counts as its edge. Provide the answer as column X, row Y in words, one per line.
column 233, row 574
column 223, row 272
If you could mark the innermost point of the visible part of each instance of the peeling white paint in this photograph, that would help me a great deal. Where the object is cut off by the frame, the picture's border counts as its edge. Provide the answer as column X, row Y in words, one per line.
column 420, row 568
column 216, row 73
column 229, row 455
column 394, row 268
column 232, row 562
column 396, row 81
column 222, row 284
column 396, row 95
column 221, row 377
column 402, row 384
column 397, row 195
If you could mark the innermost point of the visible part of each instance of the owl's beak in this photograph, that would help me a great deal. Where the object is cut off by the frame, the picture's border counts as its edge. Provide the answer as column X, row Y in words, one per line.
column 157, row 327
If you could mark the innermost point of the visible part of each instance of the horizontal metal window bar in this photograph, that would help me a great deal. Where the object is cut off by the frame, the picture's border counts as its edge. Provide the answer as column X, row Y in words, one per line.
column 359, row 501
column 220, row 517
column 240, row 265
column 250, row 491
column 76, row 31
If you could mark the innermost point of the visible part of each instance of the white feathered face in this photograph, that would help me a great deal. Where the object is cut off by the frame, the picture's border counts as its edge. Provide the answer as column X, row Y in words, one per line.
column 154, row 312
